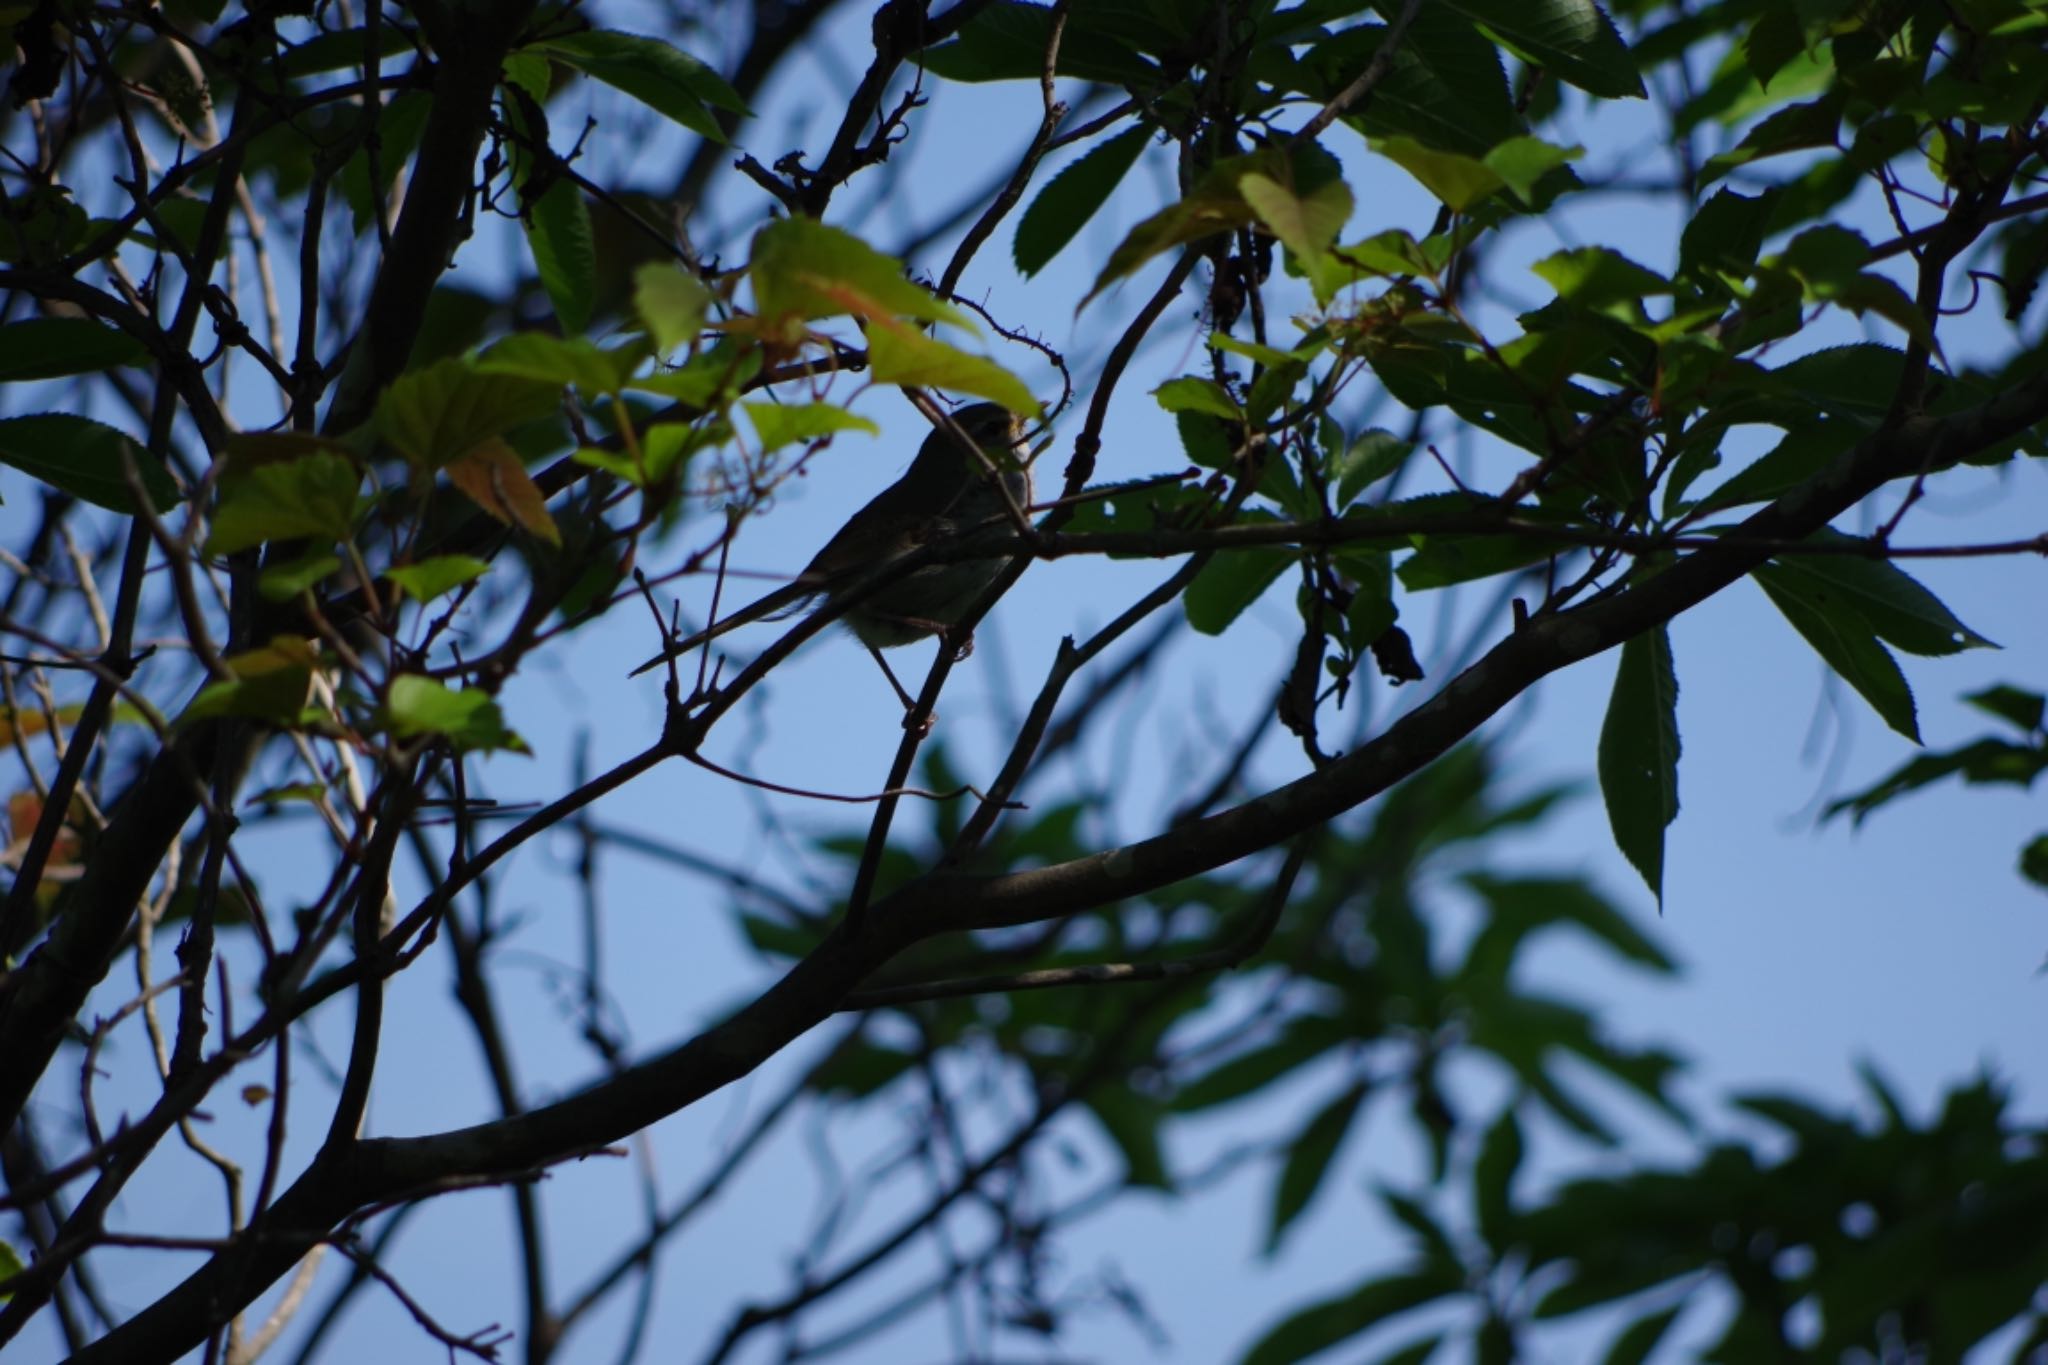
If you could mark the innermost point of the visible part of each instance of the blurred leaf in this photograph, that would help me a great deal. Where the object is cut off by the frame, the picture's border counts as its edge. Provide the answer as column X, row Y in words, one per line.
column 564, row 362
column 496, row 481
column 1305, row 1040
column 469, row 718
column 1073, row 197
column 2021, row 707
column 1459, row 181
column 428, row 579
column 670, row 303
column 1522, row 161
column 1338, row 1319
column 282, row 582
column 84, row 458
column 1308, row 1160
column 269, row 683
column 1633, row 1346
column 1639, row 752
column 309, row 498
column 1572, row 39
column 441, row 413
column 48, row 348
column 1493, row 1177
column 664, row 78
column 781, row 424
column 1132, row 1122
column 2034, row 860
column 1983, row 762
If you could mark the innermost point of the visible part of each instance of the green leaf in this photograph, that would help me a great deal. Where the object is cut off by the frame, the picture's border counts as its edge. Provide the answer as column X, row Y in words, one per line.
column 670, row 303
column 470, row 718
column 1982, row 762
column 1305, row 1040
column 1634, row 1346
column 10, row 1266
column 48, row 348
column 562, row 362
column 1639, row 754
column 1073, row 197
column 1007, row 41
column 1229, row 583
column 271, row 683
column 282, row 582
column 1325, row 1324
column 782, row 424
column 86, row 459
column 1132, row 1122
column 1893, row 603
column 1304, row 222
column 2034, row 860
column 1493, row 1178
column 1726, row 234
column 564, row 252
column 1367, row 460
column 1522, row 161
column 1572, row 39
column 898, row 354
column 313, row 497
column 428, row 579
column 2023, row 708
column 441, row 413
column 1308, row 1160
column 1846, row 643
column 1192, row 393
column 1597, row 278
column 665, row 79
column 802, row 269
column 1459, row 181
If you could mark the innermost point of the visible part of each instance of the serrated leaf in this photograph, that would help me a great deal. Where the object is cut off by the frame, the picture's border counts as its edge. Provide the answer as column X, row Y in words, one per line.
column 1597, row 278
column 1308, row 1160
column 1893, row 603
column 564, row 248
column 1639, row 754
column 1572, row 39
column 1073, row 197
column 313, row 497
column 496, row 481
column 898, row 354
column 1367, row 460
column 801, row 269
column 49, row 348
column 443, row 412
column 470, row 718
column 84, row 458
column 1846, row 643
column 428, row 579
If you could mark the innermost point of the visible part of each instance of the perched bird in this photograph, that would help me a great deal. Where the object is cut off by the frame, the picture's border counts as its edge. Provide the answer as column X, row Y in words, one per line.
column 948, row 490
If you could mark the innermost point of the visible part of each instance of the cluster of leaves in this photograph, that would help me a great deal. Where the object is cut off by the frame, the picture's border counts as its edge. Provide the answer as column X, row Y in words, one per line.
column 1828, row 1239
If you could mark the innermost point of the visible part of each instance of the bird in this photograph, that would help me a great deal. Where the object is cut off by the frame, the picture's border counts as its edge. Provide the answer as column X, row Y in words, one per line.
column 948, row 490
